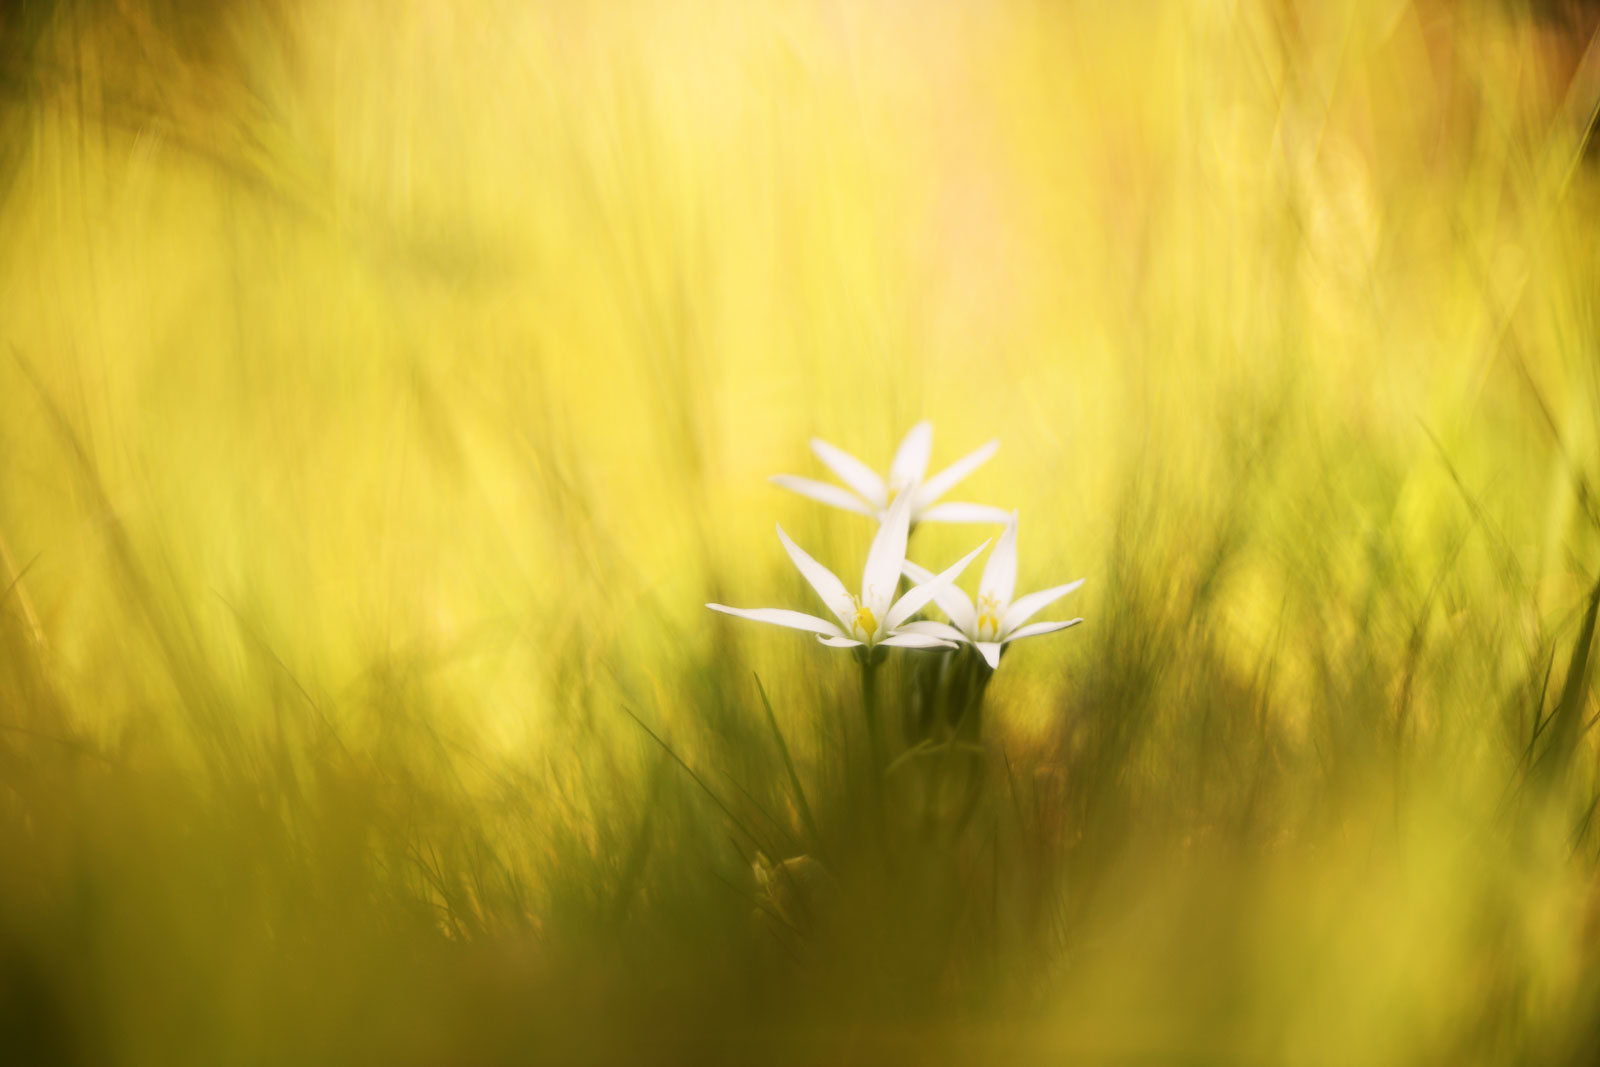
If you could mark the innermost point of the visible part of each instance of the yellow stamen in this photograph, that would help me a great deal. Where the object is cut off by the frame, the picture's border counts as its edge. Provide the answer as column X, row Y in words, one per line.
column 988, row 618
column 865, row 623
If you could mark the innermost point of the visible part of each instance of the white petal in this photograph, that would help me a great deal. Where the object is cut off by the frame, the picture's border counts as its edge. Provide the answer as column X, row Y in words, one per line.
column 831, row 495
column 951, row 600
column 1034, row 629
column 795, row 620
column 828, row 586
column 920, row 594
column 1026, row 607
column 929, row 628
column 1000, row 573
column 954, row 512
column 905, row 640
column 946, row 480
column 911, row 459
column 852, row 472
column 991, row 653
column 881, row 576
column 840, row 642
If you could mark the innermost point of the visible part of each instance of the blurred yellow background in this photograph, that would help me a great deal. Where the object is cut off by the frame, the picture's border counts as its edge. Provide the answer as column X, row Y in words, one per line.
column 400, row 380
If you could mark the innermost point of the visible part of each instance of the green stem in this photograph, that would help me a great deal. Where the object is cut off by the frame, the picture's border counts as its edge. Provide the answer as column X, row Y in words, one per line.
column 878, row 818
column 957, row 691
column 870, row 711
column 978, row 677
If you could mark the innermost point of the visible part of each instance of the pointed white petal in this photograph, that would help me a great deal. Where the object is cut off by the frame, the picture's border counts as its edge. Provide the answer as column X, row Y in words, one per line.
column 990, row 651
column 911, row 460
column 881, row 576
column 905, row 640
column 1000, row 573
column 852, row 472
column 1034, row 629
column 920, row 594
column 831, row 495
column 951, row 600
column 840, row 642
column 828, row 586
column 795, row 620
column 928, row 628
column 946, row 480
column 956, row 512
column 1026, row 607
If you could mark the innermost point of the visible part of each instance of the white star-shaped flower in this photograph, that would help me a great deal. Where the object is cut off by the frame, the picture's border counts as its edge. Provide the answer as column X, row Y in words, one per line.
column 874, row 617
column 996, row 619
column 869, row 494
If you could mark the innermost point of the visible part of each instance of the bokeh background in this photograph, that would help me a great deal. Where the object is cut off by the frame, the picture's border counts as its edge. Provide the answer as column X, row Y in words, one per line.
column 384, row 389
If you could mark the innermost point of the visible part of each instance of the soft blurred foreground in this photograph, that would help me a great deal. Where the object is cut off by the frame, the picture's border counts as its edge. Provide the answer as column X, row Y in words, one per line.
column 385, row 388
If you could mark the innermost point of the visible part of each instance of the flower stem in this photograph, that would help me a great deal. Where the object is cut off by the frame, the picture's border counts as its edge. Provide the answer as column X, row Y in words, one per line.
column 878, row 816
column 970, row 720
column 870, row 711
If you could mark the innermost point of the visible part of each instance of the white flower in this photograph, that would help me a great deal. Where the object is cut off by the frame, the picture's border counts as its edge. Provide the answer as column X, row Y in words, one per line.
column 868, row 494
column 996, row 618
column 875, row 617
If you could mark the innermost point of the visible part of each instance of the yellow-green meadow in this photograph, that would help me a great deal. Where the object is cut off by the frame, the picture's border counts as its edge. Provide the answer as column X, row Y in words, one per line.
column 386, row 390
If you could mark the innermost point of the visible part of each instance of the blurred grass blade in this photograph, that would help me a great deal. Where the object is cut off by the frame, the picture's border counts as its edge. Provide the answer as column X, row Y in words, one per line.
column 804, row 807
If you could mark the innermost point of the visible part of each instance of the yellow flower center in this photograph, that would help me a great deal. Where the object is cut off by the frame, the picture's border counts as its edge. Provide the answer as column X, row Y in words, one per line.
column 988, row 618
column 865, row 622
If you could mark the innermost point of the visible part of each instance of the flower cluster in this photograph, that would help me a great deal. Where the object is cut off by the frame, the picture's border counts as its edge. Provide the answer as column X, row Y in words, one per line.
column 877, row 616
